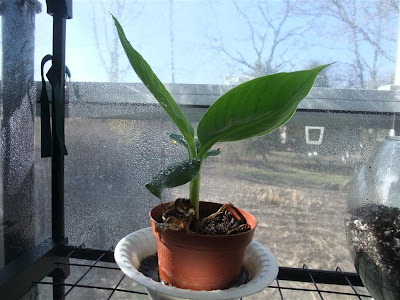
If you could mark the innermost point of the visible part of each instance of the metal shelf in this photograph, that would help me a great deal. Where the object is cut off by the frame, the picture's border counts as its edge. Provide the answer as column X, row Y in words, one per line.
column 92, row 273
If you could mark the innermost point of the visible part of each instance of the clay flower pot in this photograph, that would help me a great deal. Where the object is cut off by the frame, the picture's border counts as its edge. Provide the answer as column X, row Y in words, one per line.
column 200, row 262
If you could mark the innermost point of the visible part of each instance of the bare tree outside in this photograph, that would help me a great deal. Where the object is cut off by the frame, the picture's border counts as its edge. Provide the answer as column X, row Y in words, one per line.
column 369, row 32
column 106, row 37
column 363, row 35
column 271, row 34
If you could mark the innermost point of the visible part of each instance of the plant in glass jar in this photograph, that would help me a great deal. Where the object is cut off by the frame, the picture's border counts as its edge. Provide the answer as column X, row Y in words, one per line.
column 186, row 227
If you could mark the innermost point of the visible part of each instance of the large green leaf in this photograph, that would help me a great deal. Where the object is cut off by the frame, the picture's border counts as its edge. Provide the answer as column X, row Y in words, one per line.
column 155, row 86
column 175, row 175
column 255, row 107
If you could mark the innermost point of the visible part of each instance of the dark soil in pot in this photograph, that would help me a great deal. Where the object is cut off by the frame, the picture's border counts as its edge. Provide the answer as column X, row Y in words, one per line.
column 373, row 234
column 179, row 215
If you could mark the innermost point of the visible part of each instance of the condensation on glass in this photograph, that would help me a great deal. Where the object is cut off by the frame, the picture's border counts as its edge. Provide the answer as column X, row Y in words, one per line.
column 295, row 180
column 19, row 217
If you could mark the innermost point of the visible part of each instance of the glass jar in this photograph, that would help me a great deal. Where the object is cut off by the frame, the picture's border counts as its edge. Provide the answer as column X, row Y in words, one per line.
column 373, row 221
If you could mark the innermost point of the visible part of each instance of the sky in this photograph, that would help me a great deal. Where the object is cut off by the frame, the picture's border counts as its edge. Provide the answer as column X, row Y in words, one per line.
column 197, row 26
column 149, row 33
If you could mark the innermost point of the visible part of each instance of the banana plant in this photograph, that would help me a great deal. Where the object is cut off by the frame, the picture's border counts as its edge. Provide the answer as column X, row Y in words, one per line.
column 251, row 109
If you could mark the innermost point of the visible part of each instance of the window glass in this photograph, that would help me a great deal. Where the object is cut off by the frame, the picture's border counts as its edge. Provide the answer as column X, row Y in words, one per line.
column 294, row 180
column 21, row 213
column 217, row 42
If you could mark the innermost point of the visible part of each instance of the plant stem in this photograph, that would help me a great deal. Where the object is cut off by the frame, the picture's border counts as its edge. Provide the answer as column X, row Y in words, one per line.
column 194, row 186
column 194, row 189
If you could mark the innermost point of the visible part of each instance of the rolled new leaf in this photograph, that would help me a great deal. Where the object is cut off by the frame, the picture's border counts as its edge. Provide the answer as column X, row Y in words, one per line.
column 175, row 175
column 255, row 107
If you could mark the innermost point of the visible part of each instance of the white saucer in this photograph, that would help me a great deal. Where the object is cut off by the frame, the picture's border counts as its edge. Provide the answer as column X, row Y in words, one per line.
column 132, row 249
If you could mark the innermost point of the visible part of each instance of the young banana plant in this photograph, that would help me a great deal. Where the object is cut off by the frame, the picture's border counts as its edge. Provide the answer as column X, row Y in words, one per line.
column 251, row 109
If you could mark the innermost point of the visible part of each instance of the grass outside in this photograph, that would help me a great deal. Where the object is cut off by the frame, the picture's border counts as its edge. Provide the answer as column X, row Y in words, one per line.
column 292, row 168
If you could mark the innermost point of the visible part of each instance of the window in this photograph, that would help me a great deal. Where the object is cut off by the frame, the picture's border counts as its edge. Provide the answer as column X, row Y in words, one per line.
column 294, row 180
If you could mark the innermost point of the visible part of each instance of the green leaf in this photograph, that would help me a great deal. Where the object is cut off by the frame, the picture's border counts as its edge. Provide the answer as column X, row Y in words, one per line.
column 155, row 86
column 175, row 175
column 213, row 153
column 255, row 107
column 179, row 138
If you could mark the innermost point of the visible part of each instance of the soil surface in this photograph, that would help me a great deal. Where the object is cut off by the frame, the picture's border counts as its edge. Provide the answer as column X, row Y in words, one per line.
column 224, row 223
column 180, row 215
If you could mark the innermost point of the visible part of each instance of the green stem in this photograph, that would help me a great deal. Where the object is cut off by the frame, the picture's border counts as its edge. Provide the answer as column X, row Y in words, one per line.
column 194, row 188
column 194, row 185
column 195, row 193
column 203, row 151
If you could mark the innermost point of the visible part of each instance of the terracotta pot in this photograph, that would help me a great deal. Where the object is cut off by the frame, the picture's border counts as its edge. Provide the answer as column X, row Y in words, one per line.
column 200, row 262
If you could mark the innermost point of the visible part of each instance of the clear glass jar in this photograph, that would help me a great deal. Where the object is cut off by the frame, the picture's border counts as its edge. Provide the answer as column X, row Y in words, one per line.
column 373, row 221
